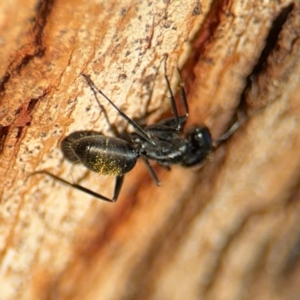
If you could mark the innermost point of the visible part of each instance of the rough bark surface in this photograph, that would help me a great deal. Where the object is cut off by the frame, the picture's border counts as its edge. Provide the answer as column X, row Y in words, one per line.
column 227, row 230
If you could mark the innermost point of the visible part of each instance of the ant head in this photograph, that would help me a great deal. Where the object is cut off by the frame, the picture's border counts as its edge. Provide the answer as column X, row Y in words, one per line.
column 198, row 147
column 200, row 137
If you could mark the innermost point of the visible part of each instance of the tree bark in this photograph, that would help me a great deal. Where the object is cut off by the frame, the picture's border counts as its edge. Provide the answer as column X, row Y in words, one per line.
column 226, row 230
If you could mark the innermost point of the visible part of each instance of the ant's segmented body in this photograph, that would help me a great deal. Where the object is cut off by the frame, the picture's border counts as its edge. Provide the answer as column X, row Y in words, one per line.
column 162, row 142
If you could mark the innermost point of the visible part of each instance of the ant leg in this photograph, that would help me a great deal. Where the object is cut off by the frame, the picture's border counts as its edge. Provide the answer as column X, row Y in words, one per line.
column 183, row 95
column 124, row 116
column 173, row 104
column 179, row 120
column 151, row 171
column 102, row 109
column 118, row 185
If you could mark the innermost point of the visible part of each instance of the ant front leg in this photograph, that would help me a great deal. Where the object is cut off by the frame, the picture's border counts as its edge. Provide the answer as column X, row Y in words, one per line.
column 118, row 185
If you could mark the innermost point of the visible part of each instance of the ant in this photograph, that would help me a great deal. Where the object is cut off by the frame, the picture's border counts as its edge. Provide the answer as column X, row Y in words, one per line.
column 162, row 142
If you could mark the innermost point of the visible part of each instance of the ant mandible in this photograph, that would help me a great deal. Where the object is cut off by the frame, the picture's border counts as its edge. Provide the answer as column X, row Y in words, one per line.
column 162, row 142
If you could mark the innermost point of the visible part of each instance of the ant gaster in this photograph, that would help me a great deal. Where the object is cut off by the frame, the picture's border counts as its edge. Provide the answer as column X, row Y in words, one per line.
column 162, row 142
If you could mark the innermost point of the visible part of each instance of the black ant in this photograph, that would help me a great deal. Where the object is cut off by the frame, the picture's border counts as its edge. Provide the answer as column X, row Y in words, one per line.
column 162, row 142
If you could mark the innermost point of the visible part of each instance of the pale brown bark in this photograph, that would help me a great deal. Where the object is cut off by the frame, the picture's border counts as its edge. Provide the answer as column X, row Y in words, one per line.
column 228, row 230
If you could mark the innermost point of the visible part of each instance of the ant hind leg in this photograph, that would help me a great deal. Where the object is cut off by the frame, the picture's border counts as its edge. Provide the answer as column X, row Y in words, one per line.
column 117, row 189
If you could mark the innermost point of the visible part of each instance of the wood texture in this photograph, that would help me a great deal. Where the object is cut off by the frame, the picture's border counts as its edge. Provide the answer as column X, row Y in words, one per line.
column 227, row 230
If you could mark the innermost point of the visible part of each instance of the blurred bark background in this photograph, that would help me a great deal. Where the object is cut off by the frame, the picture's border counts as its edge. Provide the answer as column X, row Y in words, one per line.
column 227, row 230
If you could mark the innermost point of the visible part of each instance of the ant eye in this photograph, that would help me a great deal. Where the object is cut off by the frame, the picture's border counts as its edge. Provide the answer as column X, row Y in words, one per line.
column 199, row 136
